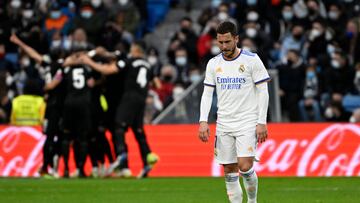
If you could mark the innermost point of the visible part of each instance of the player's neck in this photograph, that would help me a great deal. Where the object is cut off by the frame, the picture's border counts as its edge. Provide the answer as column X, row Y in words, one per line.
column 234, row 55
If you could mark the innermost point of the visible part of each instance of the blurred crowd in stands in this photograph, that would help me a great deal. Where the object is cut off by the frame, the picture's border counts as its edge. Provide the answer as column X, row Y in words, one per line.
column 314, row 45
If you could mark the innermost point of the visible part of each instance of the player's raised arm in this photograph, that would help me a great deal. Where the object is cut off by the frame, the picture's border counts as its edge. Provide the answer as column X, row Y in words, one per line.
column 54, row 82
column 28, row 50
column 106, row 69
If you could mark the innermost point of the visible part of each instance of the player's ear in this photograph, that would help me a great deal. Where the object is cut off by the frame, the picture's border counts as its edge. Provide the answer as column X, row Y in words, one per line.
column 236, row 39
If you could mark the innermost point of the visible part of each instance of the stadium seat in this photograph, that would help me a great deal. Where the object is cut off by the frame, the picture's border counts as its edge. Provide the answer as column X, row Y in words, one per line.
column 351, row 102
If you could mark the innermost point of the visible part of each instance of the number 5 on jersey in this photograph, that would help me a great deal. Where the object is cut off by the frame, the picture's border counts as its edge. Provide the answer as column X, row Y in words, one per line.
column 78, row 78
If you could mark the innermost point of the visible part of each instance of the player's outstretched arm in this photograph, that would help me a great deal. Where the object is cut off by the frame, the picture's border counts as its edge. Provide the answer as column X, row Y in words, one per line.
column 106, row 69
column 54, row 82
column 101, row 51
column 28, row 50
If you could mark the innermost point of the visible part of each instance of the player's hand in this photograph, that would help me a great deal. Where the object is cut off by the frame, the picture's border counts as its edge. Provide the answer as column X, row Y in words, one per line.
column 204, row 131
column 84, row 59
column 15, row 39
column 261, row 132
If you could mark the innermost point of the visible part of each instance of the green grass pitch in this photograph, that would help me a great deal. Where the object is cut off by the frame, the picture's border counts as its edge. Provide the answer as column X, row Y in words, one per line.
column 175, row 190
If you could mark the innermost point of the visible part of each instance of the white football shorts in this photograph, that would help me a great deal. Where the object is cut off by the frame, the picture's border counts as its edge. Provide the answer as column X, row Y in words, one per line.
column 230, row 145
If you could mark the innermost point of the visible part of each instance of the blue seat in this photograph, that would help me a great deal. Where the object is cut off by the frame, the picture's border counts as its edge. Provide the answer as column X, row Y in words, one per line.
column 157, row 10
column 351, row 102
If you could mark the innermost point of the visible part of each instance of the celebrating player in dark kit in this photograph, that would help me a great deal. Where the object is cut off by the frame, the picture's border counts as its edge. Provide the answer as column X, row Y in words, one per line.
column 130, row 111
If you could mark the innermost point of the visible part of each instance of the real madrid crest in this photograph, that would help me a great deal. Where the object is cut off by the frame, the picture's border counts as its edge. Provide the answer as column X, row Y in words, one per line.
column 241, row 68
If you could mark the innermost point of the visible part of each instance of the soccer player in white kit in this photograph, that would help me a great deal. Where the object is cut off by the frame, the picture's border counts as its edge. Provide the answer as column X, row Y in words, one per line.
column 240, row 79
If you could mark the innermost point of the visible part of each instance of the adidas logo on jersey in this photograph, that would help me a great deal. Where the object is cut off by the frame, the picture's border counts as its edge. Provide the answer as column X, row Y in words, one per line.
column 219, row 70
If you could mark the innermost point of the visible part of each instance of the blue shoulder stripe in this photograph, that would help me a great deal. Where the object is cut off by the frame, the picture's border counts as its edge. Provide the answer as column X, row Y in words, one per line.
column 210, row 85
column 263, row 80
column 248, row 53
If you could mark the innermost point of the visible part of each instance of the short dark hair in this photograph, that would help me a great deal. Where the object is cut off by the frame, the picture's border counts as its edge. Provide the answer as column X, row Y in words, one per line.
column 141, row 44
column 226, row 27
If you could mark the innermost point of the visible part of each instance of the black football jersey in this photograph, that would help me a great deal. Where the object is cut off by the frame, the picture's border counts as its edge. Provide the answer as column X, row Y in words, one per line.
column 75, row 79
column 137, row 74
column 52, row 69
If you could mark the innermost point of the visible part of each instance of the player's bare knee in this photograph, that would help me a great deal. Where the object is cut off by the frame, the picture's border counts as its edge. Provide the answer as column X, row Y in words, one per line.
column 230, row 168
column 244, row 167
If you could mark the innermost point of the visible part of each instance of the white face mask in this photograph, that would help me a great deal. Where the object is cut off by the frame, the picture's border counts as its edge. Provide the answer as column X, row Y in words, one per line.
column 25, row 62
column 330, row 49
column 96, row 3
column 335, row 64
column 287, row 15
column 251, row 32
column 246, row 48
column 152, row 60
column 123, row 2
column 333, row 15
column 314, row 33
column 86, row 14
column 177, row 92
column 55, row 14
column 223, row 16
column 15, row 4
column 55, row 43
column 251, row 2
column 180, row 60
column 195, row 78
column 28, row 13
column 252, row 16
column 215, row 50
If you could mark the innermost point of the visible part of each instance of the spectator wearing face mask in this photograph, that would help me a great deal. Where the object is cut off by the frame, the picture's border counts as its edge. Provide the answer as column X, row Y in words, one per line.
column 182, row 65
column 79, row 41
column 351, row 43
column 153, row 59
column 90, row 21
column 167, row 79
column 185, row 38
column 309, row 106
column 130, row 15
column 338, row 77
column 56, row 20
column 294, row 41
column 262, row 41
column 212, row 51
column 257, row 6
column 316, row 9
column 337, row 19
column 285, row 22
column 291, row 79
column 204, row 43
column 317, row 41
column 29, row 19
column 223, row 14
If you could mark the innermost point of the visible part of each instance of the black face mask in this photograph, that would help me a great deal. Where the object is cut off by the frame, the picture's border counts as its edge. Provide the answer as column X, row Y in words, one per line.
column 185, row 30
column 289, row 63
column 297, row 36
column 167, row 78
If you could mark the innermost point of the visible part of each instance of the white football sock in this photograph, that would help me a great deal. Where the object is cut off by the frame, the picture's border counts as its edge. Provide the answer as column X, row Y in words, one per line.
column 251, row 184
column 233, row 188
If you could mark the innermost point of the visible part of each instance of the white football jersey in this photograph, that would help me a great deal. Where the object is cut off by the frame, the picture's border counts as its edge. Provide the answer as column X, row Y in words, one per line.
column 235, row 82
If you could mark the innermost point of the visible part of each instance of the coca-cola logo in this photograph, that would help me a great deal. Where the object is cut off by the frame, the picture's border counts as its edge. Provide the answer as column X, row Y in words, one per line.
column 335, row 151
column 20, row 151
